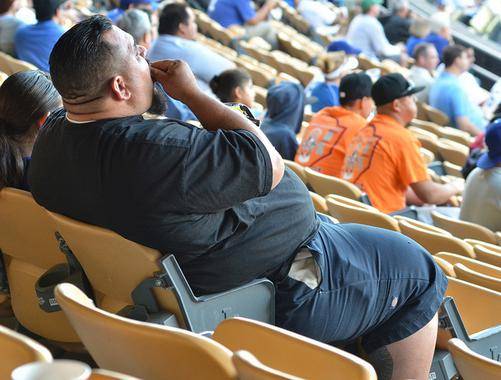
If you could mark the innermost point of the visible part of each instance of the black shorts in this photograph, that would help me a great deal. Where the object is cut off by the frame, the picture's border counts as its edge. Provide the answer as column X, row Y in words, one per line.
column 376, row 284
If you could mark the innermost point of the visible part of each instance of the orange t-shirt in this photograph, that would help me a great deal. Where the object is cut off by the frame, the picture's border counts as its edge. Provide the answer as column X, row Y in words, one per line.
column 383, row 159
column 329, row 134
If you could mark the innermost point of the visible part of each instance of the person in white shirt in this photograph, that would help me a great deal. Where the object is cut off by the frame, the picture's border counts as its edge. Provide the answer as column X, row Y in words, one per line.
column 482, row 193
column 422, row 73
column 367, row 34
column 177, row 33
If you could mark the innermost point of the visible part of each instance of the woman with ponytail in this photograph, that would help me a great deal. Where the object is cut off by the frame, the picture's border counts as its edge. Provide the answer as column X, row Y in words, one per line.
column 26, row 99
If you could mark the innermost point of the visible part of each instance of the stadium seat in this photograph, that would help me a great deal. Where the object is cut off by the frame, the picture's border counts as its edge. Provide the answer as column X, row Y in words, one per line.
column 10, row 65
column 260, row 95
column 290, row 352
column 298, row 169
column 427, row 125
column 476, row 265
column 130, row 278
column 3, row 77
column 436, row 115
column 452, row 169
column 427, row 155
column 456, row 135
column 469, row 275
column 446, row 266
column 29, row 250
column 433, row 240
column 488, row 253
column 249, row 368
column 17, row 349
column 319, row 203
column 453, row 152
column 463, row 229
column 325, row 184
column 142, row 349
column 472, row 366
column 104, row 374
column 479, row 307
column 347, row 210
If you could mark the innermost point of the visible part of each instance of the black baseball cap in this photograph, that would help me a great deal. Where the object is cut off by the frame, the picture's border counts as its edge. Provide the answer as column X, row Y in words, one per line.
column 354, row 86
column 392, row 86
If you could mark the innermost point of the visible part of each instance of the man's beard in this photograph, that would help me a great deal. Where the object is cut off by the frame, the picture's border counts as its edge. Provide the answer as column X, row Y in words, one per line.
column 159, row 101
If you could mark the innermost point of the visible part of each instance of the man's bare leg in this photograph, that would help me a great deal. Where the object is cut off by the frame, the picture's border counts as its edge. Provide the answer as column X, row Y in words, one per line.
column 409, row 358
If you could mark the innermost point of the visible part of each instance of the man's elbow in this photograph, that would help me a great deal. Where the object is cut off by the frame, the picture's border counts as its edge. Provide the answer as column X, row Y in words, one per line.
column 278, row 170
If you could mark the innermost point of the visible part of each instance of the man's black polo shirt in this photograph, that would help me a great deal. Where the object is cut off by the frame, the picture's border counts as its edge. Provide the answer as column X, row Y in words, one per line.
column 203, row 196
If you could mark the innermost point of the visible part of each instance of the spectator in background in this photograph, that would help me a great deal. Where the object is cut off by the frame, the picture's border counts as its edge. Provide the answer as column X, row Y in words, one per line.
column 397, row 26
column 326, row 140
column 422, row 73
column 26, row 99
column 440, row 35
column 420, row 28
column 241, row 12
column 284, row 116
column 447, row 94
column 177, row 40
column 115, row 14
column 482, row 193
column 367, row 34
column 318, row 14
column 138, row 25
column 384, row 159
column 334, row 66
column 470, row 83
column 8, row 27
column 33, row 43
column 234, row 86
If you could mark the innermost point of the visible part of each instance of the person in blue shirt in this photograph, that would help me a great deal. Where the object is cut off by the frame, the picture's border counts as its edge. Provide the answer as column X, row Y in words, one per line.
column 241, row 12
column 26, row 99
column 284, row 116
column 33, row 43
column 447, row 94
column 440, row 35
column 420, row 28
column 115, row 14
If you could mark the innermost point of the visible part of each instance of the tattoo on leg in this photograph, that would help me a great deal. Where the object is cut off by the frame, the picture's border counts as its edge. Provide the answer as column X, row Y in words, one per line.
column 382, row 362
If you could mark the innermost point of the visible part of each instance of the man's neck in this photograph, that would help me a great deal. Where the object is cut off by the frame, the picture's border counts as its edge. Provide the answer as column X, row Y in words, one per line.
column 453, row 71
column 394, row 116
column 89, row 112
column 356, row 110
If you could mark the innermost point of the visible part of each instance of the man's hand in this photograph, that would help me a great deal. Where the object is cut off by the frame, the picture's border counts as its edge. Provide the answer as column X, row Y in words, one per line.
column 176, row 79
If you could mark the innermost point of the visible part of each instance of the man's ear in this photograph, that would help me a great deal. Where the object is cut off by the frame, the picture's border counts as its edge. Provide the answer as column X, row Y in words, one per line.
column 181, row 29
column 238, row 92
column 119, row 89
column 396, row 106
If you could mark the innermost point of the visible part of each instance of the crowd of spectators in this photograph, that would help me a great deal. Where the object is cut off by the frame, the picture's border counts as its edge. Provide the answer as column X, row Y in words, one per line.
column 216, row 191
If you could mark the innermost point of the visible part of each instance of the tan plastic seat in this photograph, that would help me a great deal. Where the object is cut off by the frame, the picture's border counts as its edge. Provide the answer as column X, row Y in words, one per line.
column 453, row 152
column 452, row 169
column 319, row 203
column 325, row 184
column 476, row 265
column 472, row 366
column 446, row 267
column 435, row 241
column 350, row 211
column 17, row 349
column 141, row 349
column 249, row 368
column 10, row 65
column 467, row 274
column 488, row 255
column 298, row 169
column 456, row 135
column 104, row 374
column 435, row 115
column 3, row 77
column 114, row 265
column 291, row 353
column 30, row 249
column 480, row 307
column 463, row 229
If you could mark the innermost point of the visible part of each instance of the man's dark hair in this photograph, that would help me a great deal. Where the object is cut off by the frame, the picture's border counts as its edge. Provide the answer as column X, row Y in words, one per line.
column 451, row 53
column 5, row 6
column 82, row 62
column 172, row 15
column 421, row 50
column 46, row 9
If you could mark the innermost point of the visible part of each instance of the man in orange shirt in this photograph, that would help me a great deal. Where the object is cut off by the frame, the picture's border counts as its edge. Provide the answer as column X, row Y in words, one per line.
column 330, row 132
column 383, row 159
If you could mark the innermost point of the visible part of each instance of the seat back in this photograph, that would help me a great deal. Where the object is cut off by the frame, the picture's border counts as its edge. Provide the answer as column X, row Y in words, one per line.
column 11, row 65
column 29, row 248
column 488, row 255
column 289, row 352
column 249, row 368
column 104, row 374
column 453, row 152
column 142, row 349
column 17, row 349
column 474, row 277
column 435, row 115
column 477, row 266
column 479, row 307
column 114, row 265
column 325, row 184
column 350, row 211
column 462, row 229
column 446, row 267
column 434, row 241
column 319, row 203
column 472, row 365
